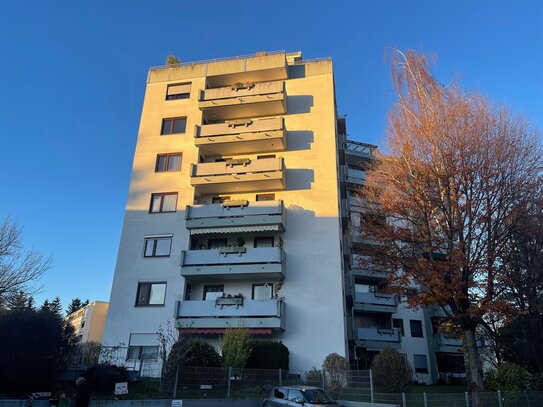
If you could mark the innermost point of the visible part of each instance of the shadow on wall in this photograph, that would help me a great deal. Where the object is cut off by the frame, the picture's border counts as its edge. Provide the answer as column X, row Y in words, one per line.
column 299, row 140
column 299, row 178
column 299, row 104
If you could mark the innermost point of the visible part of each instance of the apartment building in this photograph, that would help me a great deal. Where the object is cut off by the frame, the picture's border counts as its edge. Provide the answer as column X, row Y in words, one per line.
column 242, row 211
column 233, row 214
column 380, row 320
column 89, row 322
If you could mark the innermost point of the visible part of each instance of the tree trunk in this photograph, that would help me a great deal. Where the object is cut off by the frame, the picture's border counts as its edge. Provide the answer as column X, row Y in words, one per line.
column 475, row 370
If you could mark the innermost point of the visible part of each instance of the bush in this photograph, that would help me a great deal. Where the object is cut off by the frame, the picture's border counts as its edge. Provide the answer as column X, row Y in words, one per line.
column 236, row 347
column 313, row 377
column 102, row 377
column 391, row 371
column 268, row 355
column 334, row 367
column 508, row 377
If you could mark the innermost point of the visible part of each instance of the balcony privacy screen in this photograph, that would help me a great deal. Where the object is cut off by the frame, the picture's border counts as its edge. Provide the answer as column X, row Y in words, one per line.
column 235, row 229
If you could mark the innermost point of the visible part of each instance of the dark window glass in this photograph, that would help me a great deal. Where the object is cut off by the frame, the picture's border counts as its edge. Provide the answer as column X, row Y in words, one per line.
column 265, row 156
column 163, row 202
column 168, row 162
column 264, row 241
column 295, row 395
column 151, row 294
column 265, row 197
column 416, row 328
column 216, row 243
column 421, row 366
column 174, row 125
column 157, row 247
column 398, row 323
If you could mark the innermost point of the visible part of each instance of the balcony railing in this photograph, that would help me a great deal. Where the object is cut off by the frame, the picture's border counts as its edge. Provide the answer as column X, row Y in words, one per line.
column 361, row 150
column 355, row 176
column 360, row 268
column 448, row 340
column 375, row 302
column 241, row 175
column 244, row 100
column 241, row 137
column 378, row 338
column 252, row 314
column 246, row 262
column 206, row 218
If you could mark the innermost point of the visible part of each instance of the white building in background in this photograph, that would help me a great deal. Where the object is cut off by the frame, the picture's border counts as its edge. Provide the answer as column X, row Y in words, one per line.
column 238, row 214
column 89, row 322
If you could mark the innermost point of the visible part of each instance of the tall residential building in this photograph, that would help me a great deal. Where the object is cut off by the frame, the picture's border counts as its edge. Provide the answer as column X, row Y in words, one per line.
column 242, row 211
column 89, row 322
column 233, row 214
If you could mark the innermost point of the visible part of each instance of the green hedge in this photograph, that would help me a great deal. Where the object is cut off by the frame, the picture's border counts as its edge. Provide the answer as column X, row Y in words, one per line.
column 268, row 355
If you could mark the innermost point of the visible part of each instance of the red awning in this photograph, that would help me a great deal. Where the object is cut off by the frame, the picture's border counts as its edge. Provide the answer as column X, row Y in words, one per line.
column 208, row 331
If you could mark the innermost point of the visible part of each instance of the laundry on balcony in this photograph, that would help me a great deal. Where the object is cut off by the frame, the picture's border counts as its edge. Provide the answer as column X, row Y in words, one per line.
column 238, row 161
column 229, row 300
column 232, row 250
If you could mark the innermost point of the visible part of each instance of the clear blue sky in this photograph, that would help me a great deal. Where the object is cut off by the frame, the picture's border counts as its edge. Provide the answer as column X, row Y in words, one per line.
column 72, row 79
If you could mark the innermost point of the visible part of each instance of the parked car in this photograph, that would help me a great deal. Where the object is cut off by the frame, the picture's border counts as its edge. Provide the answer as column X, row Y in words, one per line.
column 298, row 395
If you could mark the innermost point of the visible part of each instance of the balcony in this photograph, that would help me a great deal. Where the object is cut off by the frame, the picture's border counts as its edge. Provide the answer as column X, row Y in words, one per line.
column 377, row 338
column 244, row 100
column 233, row 263
column 235, row 216
column 375, row 302
column 355, row 177
column 239, row 175
column 268, row 314
column 448, row 343
column 360, row 269
column 241, row 137
column 356, row 152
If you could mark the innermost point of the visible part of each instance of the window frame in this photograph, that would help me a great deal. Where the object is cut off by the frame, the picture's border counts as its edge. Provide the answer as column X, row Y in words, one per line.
column 175, row 96
column 167, row 163
column 419, row 322
column 261, row 239
column 172, row 125
column 420, row 369
column 206, row 287
column 151, row 283
column 155, row 239
column 162, row 195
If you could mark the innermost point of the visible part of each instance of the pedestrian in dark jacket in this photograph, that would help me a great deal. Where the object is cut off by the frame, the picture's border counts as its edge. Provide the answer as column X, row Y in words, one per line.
column 82, row 392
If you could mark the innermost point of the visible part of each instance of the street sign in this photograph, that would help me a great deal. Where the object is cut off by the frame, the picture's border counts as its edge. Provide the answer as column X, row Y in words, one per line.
column 121, row 388
column 177, row 403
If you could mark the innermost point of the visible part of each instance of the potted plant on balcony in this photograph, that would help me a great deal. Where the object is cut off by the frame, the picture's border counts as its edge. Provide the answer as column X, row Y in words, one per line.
column 229, row 299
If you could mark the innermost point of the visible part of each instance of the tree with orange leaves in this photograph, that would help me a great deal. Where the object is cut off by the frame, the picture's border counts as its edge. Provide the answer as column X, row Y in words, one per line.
column 439, row 206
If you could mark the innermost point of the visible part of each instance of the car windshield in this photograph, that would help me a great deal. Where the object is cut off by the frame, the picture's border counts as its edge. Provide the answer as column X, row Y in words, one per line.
column 317, row 396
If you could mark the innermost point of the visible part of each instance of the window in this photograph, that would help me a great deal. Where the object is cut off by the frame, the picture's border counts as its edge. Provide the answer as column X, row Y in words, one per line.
column 416, row 328
column 151, row 294
column 174, row 125
column 264, row 241
column 219, row 199
column 258, row 157
column 188, row 291
column 163, row 202
column 142, row 352
column 168, row 162
column 262, row 291
column 421, row 366
column 178, row 91
column 265, row 197
column 211, row 292
column 296, row 396
column 398, row 323
column 157, row 247
column 216, row 243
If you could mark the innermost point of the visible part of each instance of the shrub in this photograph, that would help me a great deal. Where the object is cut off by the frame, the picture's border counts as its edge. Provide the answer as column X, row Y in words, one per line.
column 391, row 371
column 268, row 355
column 102, row 377
column 172, row 60
column 313, row 377
column 236, row 347
column 334, row 367
column 508, row 377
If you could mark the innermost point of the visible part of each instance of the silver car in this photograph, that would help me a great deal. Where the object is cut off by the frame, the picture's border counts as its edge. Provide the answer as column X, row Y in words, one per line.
column 298, row 395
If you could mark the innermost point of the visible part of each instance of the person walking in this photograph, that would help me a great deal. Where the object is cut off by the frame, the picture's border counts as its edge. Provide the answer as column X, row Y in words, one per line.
column 82, row 392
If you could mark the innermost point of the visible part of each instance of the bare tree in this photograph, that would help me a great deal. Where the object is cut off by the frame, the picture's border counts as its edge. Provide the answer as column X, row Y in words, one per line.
column 438, row 207
column 20, row 268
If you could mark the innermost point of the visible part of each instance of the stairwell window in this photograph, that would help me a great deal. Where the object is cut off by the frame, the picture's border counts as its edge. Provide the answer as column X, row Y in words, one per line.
column 150, row 294
column 416, row 328
column 174, row 125
column 168, row 162
column 163, row 202
column 178, row 91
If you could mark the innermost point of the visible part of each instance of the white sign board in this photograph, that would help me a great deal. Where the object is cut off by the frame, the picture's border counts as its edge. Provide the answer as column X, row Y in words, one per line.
column 177, row 403
column 121, row 388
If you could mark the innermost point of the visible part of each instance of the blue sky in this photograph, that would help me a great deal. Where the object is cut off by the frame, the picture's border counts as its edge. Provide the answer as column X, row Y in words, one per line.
column 73, row 78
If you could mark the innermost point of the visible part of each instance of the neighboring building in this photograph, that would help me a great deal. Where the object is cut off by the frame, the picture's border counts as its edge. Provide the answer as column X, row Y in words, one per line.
column 242, row 212
column 89, row 321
